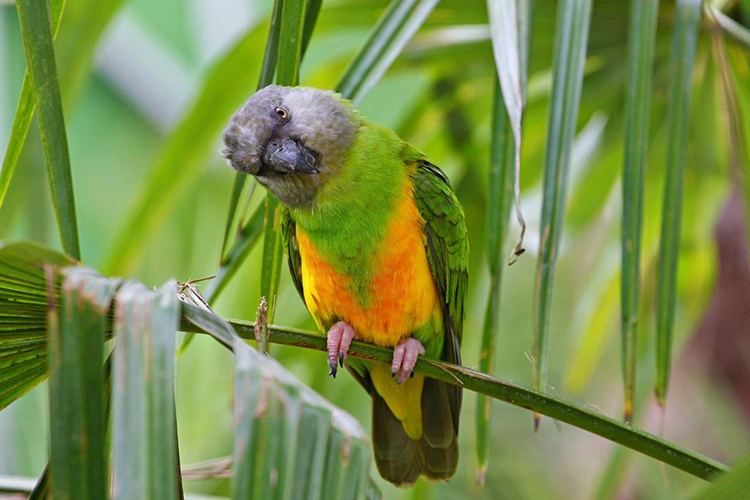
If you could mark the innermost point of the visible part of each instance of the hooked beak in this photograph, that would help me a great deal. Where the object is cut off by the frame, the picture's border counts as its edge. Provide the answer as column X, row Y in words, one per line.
column 288, row 156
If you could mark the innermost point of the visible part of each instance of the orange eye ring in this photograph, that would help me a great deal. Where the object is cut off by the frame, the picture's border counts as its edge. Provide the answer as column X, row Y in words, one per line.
column 281, row 112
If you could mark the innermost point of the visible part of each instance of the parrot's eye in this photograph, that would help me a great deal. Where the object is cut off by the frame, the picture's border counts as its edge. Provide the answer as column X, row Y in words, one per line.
column 281, row 112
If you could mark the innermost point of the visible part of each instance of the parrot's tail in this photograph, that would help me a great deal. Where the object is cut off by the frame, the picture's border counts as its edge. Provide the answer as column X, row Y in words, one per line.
column 400, row 459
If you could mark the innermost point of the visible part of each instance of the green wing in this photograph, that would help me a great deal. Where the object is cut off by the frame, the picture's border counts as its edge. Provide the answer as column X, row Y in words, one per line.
column 447, row 247
column 289, row 238
column 446, row 243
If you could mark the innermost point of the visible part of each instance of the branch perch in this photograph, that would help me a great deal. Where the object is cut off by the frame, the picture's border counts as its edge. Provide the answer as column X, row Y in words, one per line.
column 643, row 442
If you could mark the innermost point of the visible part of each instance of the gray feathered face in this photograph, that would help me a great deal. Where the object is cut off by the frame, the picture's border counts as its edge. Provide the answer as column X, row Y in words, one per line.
column 291, row 139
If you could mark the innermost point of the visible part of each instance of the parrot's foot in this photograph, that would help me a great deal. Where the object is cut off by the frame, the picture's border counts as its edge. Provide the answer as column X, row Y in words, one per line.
column 340, row 336
column 405, row 357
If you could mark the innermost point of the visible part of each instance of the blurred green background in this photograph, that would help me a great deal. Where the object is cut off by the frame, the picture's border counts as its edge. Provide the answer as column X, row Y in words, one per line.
column 147, row 71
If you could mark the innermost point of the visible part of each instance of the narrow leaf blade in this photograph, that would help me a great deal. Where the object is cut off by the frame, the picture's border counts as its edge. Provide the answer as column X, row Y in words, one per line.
column 145, row 458
column 290, row 41
column 510, row 28
column 573, row 18
column 394, row 29
column 688, row 13
column 78, row 462
column 24, row 114
column 640, row 68
column 37, row 37
column 500, row 185
column 273, row 254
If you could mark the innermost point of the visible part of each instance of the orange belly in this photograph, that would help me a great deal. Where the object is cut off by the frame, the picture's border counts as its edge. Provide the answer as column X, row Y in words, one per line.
column 401, row 294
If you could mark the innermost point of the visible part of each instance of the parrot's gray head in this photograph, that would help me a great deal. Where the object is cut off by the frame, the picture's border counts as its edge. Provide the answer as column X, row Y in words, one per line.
column 291, row 139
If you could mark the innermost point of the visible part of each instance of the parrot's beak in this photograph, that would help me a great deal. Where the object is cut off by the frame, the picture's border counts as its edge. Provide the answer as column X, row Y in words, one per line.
column 288, row 156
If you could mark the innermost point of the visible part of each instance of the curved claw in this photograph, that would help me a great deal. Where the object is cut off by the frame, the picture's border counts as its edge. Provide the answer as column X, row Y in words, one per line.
column 340, row 337
column 405, row 356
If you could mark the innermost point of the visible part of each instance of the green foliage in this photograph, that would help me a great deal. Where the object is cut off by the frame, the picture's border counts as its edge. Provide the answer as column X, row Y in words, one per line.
column 424, row 68
column 24, row 113
column 640, row 67
column 75, row 333
column 280, row 424
column 143, row 413
column 510, row 27
column 500, row 185
column 388, row 37
column 687, row 16
column 733, row 485
column 23, row 295
column 37, row 38
column 567, row 79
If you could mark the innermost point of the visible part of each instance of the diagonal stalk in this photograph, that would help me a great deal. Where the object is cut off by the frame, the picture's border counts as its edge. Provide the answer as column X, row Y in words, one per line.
column 643, row 442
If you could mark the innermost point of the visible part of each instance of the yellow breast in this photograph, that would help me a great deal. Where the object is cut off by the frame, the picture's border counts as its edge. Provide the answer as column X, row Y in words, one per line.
column 402, row 293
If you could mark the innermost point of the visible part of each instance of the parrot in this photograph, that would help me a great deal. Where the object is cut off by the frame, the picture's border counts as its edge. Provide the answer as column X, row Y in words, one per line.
column 377, row 248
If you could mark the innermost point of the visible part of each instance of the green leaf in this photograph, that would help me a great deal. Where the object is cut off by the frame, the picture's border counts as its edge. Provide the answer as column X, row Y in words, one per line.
column 78, row 462
column 284, row 435
column 85, row 22
column 734, row 485
column 37, row 39
column 273, row 254
column 642, row 39
column 394, row 29
column 41, row 489
column 510, row 28
column 290, row 41
column 573, row 17
column 687, row 17
column 271, row 54
column 24, row 113
column 312, row 10
column 500, row 186
column 144, row 434
column 23, row 311
column 178, row 164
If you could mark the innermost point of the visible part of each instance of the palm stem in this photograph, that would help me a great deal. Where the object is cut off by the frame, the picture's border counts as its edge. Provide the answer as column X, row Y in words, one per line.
column 643, row 442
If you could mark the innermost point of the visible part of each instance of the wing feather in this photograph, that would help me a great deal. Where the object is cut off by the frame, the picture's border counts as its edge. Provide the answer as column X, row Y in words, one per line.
column 447, row 247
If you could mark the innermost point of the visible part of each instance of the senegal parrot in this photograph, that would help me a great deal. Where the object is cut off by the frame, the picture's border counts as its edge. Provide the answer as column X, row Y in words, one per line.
column 377, row 248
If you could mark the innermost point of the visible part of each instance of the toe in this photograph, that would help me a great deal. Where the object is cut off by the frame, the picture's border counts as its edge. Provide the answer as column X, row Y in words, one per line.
column 398, row 358
column 340, row 336
column 407, row 352
column 347, row 335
